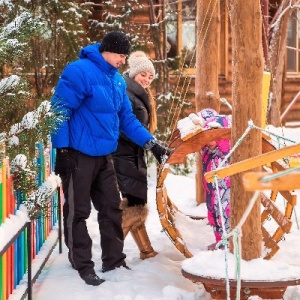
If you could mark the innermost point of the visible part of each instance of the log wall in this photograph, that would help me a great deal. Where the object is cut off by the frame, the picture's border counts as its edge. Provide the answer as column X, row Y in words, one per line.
column 140, row 21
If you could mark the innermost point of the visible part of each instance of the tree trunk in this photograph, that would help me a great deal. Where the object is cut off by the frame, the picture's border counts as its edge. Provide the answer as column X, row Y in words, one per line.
column 207, row 60
column 246, row 24
column 277, row 63
column 207, row 69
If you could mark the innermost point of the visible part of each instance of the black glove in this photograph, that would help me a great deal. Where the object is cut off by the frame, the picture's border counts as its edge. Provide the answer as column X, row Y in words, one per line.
column 64, row 163
column 159, row 150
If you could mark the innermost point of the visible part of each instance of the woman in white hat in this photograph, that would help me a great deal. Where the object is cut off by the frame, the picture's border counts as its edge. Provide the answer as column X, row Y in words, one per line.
column 129, row 158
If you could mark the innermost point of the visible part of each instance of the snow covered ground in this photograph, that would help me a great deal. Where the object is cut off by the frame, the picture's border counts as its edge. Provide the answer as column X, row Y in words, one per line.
column 160, row 278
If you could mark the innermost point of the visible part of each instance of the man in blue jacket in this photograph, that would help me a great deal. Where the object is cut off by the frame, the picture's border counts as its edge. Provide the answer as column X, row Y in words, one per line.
column 92, row 107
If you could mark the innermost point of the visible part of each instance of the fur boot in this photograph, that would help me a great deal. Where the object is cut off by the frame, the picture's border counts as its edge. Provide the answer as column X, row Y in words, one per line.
column 133, row 220
column 132, row 216
column 141, row 238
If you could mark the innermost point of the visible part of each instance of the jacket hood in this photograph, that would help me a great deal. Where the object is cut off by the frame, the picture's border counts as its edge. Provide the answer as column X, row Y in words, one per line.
column 92, row 53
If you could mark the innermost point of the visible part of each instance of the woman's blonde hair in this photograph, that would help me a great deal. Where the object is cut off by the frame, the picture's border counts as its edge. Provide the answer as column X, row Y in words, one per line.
column 153, row 115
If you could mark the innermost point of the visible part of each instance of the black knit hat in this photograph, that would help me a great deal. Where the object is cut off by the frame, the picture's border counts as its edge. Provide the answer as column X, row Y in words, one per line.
column 116, row 42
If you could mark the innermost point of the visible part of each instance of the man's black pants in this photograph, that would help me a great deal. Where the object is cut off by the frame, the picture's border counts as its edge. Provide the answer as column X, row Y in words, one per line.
column 93, row 180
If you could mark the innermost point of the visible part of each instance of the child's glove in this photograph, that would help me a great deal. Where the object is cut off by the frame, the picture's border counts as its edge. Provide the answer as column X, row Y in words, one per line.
column 197, row 120
column 160, row 151
column 214, row 124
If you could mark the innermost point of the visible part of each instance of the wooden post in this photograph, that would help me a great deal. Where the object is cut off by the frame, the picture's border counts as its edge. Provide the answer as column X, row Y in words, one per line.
column 207, row 62
column 248, row 63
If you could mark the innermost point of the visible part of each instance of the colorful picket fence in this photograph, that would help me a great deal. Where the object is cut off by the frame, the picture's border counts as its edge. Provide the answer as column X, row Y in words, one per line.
column 14, row 261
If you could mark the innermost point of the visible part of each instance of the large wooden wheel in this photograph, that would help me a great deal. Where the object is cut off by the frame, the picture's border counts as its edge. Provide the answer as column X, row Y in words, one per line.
column 270, row 159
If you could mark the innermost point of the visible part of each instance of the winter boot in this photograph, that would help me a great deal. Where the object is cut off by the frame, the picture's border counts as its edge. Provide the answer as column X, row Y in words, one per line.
column 141, row 238
column 133, row 220
column 132, row 216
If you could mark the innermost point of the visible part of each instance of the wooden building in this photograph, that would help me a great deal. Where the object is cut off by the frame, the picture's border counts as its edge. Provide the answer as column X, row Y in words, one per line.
column 166, row 30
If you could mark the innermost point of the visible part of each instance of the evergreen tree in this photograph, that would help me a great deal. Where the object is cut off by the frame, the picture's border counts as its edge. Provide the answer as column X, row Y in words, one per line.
column 37, row 39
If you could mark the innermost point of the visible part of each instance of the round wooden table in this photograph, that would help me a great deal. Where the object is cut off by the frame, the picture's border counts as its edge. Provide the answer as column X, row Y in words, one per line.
column 264, row 289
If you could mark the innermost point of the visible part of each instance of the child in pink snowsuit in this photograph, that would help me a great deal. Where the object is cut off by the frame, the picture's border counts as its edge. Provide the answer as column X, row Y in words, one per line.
column 212, row 155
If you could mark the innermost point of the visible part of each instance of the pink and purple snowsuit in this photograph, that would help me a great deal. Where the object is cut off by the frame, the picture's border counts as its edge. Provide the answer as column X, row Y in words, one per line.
column 211, row 159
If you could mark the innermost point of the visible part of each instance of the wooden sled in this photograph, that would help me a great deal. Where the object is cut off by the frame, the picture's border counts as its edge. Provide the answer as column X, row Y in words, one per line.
column 193, row 143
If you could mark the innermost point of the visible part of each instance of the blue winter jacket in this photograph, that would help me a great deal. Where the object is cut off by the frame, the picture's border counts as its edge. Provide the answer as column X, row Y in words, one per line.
column 91, row 98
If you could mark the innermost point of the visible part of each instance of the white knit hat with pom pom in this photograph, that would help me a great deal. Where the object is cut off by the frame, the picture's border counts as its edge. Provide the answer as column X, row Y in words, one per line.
column 139, row 62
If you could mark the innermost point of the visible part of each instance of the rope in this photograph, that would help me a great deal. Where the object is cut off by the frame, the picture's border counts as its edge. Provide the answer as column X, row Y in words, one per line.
column 279, row 137
column 239, row 141
column 226, row 274
column 177, row 86
column 224, row 230
column 237, row 246
column 224, row 101
column 280, row 174
column 237, row 242
column 225, row 237
column 185, row 88
column 219, row 202
column 236, row 232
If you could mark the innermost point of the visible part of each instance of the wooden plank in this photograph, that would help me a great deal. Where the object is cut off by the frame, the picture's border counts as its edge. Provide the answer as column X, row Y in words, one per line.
column 164, row 195
column 170, row 229
column 253, row 162
column 252, row 181
column 272, row 253
column 175, row 139
column 266, row 137
column 172, row 206
column 289, row 197
column 289, row 210
column 191, row 134
column 264, row 216
column 195, row 143
column 277, row 236
column 162, row 175
column 170, row 219
column 276, row 214
column 159, row 201
column 273, row 195
column 276, row 165
column 267, row 239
